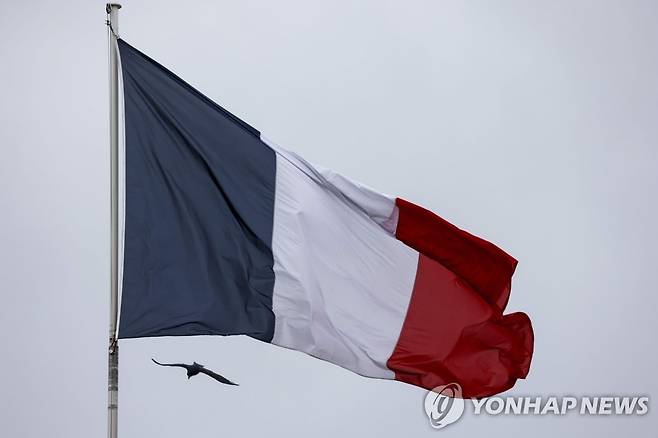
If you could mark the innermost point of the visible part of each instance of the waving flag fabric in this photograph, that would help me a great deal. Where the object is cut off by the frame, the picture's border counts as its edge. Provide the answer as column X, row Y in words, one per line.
column 228, row 233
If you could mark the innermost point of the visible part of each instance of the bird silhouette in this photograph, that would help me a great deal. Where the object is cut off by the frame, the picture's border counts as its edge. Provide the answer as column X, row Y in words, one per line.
column 195, row 368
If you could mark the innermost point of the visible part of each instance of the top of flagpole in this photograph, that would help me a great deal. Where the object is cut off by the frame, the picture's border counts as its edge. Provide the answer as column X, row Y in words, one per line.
column 112, row 10
column 109, row 6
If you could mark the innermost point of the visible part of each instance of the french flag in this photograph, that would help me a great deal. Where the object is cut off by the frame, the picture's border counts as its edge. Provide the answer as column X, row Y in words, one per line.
column 227, row 233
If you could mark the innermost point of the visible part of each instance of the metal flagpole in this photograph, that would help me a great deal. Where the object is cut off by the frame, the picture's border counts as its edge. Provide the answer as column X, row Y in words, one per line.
column 112, row 10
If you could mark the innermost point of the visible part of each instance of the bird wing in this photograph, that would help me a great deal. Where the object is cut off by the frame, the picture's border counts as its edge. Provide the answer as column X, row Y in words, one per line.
column 217, row 377
column 182, row 365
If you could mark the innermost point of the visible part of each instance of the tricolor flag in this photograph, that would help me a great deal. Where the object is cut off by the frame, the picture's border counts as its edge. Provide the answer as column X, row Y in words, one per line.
column 227, row 233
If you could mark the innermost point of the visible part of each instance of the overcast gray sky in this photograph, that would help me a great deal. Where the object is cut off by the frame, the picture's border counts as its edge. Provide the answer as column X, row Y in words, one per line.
column 530, row 123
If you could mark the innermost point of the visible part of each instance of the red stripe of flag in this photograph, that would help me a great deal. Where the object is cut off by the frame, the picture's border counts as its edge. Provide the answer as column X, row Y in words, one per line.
column 454, row 330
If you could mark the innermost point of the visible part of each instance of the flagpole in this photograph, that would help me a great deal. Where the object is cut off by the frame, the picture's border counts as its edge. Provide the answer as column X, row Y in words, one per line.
column 112, row 10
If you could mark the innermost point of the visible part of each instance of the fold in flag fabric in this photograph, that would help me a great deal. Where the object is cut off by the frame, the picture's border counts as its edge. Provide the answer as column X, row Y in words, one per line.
column 227, row 233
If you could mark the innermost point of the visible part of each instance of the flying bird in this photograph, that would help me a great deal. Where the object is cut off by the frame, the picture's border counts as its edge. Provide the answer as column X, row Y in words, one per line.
column 195, row 368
